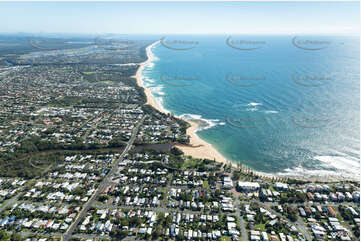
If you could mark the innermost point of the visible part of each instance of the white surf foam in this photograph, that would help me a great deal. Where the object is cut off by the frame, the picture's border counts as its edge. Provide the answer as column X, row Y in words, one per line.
column 158, row 90
column 159, row 93
column 151, row 58
column 159, row 101
column 301, row 172
column 152, row 54
column 254, row 104
column 252, row 109
column 210, row 123
column 340, row 163
column 126, row 64
column 270, row 111
column 149, row 66
column 148, row 80
column 190, row 116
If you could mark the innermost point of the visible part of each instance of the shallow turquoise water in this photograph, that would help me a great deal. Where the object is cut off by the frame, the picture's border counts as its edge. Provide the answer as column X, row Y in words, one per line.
column 277, row 104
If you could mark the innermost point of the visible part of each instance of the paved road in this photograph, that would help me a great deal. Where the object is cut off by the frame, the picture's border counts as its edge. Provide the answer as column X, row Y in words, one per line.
column 333, row 204
column 87, row 132
column 103, row 184
column 92, row 236
column 302, row 227
column 10, row 202
column 25, row 234
column 299, row 224
column 241, row 221
column 162, row 209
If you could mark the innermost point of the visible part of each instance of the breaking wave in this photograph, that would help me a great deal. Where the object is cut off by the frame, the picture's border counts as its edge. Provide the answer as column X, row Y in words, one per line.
column 203, row 122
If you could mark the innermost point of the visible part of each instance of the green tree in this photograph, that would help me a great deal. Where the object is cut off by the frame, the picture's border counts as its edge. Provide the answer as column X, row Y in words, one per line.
column 4, row 235
column 157, row 232
column 15, row 237
column 176, row 151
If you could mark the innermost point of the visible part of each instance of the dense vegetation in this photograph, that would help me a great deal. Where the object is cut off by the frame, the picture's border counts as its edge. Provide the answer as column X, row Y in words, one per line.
column 27, row 160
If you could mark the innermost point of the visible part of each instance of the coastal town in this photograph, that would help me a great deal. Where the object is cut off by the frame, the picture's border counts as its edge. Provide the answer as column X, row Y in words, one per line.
column 85, row 155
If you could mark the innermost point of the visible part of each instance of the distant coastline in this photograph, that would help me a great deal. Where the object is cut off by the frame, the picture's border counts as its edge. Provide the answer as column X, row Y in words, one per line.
column 199, row 148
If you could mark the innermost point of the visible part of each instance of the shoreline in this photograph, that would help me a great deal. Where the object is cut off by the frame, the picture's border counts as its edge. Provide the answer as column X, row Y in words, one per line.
column 138, row 76
column 201, row 149
column 197, row 147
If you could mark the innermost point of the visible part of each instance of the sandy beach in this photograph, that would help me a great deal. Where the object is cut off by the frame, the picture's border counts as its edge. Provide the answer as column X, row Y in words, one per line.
column 197, row 147
column 150, row 99
column 200, row 149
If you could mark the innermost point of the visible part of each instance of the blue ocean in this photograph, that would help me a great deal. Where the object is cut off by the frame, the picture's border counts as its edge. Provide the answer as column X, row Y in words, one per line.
column 285, row 105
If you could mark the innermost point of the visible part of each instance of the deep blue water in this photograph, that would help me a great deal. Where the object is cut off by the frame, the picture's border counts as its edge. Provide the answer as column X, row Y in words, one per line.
column 274, row 103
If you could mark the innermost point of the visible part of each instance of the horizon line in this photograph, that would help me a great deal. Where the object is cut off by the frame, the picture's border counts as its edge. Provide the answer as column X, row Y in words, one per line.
column 226, row 34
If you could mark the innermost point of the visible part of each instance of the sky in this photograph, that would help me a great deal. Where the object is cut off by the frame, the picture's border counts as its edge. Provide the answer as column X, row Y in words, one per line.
column 181, row 17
